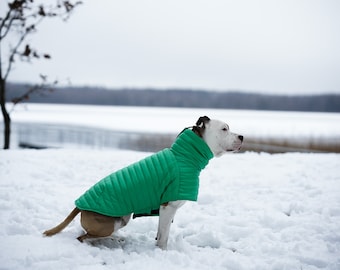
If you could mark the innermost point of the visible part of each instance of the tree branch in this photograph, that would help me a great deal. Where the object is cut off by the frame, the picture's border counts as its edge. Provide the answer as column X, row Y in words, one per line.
column 11, row 57
column 38, row 88
column 41, row 13
column 3, row 24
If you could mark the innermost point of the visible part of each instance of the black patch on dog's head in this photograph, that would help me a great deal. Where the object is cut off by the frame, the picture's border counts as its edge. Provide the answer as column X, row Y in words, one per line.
column 200, row 125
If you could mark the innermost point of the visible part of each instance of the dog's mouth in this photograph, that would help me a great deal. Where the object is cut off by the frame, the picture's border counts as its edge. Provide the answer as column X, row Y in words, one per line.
column 236, row 149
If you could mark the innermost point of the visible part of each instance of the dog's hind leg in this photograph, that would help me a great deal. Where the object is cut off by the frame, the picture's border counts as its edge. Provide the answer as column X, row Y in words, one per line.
column 85, row 236
column 97, row 225
column 63, row 225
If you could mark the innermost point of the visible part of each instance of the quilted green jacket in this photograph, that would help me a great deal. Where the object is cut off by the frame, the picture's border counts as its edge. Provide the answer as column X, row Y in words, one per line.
column 169, row 175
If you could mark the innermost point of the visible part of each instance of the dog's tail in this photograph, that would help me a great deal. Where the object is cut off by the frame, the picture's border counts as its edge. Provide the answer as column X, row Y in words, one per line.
column 63, row 225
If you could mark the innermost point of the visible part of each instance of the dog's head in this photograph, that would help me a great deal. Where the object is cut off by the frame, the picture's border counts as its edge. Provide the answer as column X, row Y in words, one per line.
column 217, row 135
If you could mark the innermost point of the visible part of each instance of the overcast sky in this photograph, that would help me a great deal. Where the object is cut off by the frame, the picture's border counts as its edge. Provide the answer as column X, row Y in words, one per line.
column 283, row 46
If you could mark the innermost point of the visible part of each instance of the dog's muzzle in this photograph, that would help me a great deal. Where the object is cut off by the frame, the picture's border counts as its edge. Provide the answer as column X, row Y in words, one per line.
column 237, row 144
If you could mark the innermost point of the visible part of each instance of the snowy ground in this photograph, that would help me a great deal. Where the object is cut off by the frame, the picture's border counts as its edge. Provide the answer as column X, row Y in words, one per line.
column 255, row 211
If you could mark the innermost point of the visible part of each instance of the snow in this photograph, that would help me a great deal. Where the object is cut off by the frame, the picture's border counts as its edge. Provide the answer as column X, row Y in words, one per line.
column 255, row 211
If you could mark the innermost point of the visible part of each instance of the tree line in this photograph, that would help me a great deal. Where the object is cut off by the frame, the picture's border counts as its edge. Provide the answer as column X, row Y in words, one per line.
column 178, row 98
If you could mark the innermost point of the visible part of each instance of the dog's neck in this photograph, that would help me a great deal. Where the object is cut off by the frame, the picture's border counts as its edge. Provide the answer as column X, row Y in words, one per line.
column 198, row 131
column 189, row 145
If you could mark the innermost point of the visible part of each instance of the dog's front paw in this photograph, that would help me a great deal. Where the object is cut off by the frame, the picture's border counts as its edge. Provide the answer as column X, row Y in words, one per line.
column 161, row 241
column 162, row 245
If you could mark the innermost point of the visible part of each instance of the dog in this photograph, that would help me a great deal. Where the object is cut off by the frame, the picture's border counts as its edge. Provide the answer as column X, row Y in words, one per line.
column 174, row 173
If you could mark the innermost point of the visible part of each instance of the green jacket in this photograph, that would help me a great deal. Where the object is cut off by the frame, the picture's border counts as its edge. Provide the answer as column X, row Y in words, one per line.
column 169, row 175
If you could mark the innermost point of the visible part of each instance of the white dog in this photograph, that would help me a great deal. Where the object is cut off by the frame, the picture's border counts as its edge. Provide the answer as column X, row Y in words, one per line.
column 159, row 184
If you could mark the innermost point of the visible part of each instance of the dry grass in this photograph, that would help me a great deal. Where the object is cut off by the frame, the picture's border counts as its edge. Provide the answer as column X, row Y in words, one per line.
column 282, row 145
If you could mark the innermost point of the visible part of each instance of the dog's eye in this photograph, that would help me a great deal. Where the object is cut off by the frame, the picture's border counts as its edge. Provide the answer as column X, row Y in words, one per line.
column 225, row 129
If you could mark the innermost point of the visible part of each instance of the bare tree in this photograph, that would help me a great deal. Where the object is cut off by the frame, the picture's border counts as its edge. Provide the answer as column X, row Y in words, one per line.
column 20, row 20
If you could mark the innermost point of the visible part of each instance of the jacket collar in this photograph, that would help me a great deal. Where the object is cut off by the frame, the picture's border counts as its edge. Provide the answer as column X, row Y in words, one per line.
column 193, row 149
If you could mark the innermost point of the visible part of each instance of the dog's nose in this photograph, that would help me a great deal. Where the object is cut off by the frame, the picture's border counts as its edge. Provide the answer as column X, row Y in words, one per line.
column 240, row 137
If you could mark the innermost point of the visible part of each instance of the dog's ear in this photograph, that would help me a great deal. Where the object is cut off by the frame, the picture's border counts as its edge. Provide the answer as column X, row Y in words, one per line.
column 200, row 125
column 202, row 121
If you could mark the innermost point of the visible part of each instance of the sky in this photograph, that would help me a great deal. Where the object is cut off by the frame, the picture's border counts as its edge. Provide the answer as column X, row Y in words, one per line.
column 266, row 46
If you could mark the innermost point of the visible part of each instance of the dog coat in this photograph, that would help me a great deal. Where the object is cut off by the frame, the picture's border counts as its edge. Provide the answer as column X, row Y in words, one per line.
column 169, row 175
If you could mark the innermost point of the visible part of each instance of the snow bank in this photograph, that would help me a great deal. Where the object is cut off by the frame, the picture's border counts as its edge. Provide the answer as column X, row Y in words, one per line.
column 255, row 211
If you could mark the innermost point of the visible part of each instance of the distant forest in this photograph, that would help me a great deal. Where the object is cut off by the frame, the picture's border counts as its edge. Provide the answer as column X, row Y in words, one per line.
column 178, row 98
